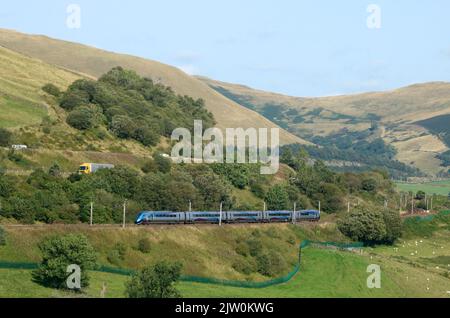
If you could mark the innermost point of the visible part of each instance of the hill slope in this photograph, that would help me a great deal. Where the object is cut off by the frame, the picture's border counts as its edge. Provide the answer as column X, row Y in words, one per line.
column 22, row 102
column 396, row 112
column 95, row 62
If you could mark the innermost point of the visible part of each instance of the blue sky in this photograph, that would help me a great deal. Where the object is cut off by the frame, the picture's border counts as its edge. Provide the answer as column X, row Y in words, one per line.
column 300, row 48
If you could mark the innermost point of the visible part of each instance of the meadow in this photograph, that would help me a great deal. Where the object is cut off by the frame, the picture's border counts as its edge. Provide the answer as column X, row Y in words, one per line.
column 437, row 187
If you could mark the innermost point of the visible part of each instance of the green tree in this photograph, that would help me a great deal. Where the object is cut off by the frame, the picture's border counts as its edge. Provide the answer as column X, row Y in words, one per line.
column 164, row 164
column 277, row 198
column 364, row 224
column 5, row 137
column 51, row 89
column 81, row 118
column 58, row 253
column 369, row 185
column 393, row 223
column 2, row 236
column 155, row 282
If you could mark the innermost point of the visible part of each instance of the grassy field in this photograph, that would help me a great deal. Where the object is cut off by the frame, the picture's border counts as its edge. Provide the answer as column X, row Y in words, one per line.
column 325, row 273
column 438, row 187
column 416, row 266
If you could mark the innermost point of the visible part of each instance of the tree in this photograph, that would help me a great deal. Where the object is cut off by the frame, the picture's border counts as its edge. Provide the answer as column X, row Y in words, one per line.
column 277, row 198
column 2, row 236
column 55, row 170
column 393, row 224
column 81, row 118
column 58, row 253
column 369, row 185
column 420, row 195
column 164, row 164
column 5, row 137
column 51, row 89
column 364, row 224
column 155, row 282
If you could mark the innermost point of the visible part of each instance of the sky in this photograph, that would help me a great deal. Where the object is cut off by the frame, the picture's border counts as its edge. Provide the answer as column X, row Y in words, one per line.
column 294, row 47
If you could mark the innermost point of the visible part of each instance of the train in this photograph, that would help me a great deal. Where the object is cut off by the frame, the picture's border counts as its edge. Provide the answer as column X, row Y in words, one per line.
column 216, row 217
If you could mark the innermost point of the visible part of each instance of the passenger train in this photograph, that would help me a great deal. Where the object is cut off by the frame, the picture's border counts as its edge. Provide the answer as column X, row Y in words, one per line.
column 215, row 217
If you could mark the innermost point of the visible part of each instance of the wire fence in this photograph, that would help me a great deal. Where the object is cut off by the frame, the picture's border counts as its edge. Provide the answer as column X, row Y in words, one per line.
column 427, row 218
column 208, row 280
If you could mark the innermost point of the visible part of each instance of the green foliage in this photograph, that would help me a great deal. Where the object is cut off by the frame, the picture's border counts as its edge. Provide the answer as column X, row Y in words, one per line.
column 5, row 137
column 371, row 226
column 51, row 89
column 144, row 245
column 277, row 198
column 84, row 117
column 2, row 236
column 60, row 252
column 162, row 163
column 132, row 106
column 155, row 282
column 369, row 185
column 270, row 263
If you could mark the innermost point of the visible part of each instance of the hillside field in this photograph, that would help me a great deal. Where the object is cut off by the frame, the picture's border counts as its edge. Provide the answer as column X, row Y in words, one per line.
column 416, row 266
column 438, row 187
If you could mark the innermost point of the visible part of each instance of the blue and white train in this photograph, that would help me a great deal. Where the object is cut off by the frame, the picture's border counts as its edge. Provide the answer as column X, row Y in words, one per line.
column 214, row 217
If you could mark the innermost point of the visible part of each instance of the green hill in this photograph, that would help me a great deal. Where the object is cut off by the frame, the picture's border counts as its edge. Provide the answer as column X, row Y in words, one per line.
column 399, row 115
column 414, row 267
column 96, row 62
column 22, row 101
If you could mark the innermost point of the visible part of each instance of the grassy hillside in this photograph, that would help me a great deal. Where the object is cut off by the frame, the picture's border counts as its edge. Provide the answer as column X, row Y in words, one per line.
column 396, row 113
column 415, row 267
column 206, row 251
column 95, row 62
column 437, row 187
column 22, row 102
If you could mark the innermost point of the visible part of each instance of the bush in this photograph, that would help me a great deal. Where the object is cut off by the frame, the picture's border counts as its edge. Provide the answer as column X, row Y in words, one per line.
column 2, row 236
column 270, row 264
column 5, row 137
column 60, row 252
column 364, row 224
column 277, row 198
column 155, row 282
column 144, row 245
column 81, row 118
column 51, row 89
column 243, row 266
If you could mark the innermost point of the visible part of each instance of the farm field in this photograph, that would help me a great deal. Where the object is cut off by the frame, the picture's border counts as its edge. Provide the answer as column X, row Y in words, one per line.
column 438, row 187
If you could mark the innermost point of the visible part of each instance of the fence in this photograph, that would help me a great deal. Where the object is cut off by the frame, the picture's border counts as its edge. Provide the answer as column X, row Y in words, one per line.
column 427, row 217
column 213, row 281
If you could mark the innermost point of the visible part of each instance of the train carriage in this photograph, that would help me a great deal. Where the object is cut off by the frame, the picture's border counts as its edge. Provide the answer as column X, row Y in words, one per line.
column 244, row 216
column 160, row 217
column 204, row 217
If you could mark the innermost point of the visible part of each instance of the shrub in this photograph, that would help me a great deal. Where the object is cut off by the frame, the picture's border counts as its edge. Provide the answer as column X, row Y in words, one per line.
column 2, row 236
column 155, row 282
column 270, row 264
column 60, row 252
column 255, row 246
column 364, row 224
column 144, row 245
column 81, row 118
column 243, row 266
column 51, row 89
column 277, row 198
column 5, row 137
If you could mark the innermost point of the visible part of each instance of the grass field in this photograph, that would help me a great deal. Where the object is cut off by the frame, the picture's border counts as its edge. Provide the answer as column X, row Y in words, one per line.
column 324, row 273
column 438, row 187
